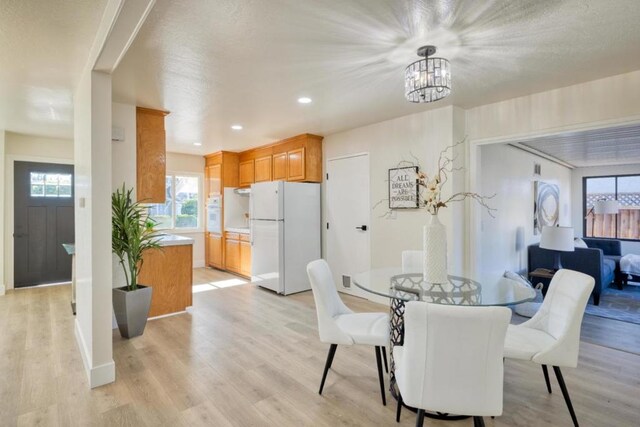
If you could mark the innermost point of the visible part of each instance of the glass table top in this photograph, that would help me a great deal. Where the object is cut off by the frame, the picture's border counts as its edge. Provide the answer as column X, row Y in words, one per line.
column 393, row 283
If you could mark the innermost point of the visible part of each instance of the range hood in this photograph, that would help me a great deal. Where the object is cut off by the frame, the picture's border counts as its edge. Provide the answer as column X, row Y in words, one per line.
column 242, row 191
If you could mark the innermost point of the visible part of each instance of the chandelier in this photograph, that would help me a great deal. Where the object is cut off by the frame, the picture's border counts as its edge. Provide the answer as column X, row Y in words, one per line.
column 428, row 79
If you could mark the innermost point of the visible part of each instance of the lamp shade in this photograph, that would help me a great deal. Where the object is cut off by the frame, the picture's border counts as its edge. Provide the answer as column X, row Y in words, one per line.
column 557, row 239
column 601, row 207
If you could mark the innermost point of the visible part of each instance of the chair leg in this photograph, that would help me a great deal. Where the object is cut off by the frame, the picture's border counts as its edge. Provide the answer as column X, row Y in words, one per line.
column 546, row 377
column 327, row 365
column 384, row 357
column 420, row 418
column 380, row 375
column 399, row 410
column 565, row 393
column 478, row 422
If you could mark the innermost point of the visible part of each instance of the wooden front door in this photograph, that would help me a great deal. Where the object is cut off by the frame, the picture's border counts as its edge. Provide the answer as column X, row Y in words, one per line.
column 43, row 221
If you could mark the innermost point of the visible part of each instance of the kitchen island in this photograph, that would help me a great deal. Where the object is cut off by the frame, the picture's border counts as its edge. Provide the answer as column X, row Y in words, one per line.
column 169, row 271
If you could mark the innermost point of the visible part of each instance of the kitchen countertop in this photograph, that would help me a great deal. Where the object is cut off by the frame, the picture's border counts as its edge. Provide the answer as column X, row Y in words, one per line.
column 241, row 230
column 173, row 240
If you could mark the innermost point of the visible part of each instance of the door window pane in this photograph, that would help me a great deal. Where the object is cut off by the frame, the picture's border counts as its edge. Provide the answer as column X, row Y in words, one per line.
column 186, row 201
column 50, row 184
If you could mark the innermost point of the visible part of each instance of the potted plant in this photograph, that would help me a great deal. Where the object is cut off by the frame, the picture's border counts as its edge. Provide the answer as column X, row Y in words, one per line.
column 130, row 238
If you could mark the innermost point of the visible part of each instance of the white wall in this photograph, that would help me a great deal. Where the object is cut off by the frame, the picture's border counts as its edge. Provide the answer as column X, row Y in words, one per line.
column 18, row 144
column 92, row 148
column 123, row 167
column 507, row 172
column 123, row 153
column 572, row 107
column 576, row 184
column 423, row 135
column 178, row 162
column 2, row 202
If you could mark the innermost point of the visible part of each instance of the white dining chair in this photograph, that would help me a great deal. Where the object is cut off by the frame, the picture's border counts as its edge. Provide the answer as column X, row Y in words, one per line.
column 412, row 261
column 451, row 360
column 552, row 336
column 338, row 325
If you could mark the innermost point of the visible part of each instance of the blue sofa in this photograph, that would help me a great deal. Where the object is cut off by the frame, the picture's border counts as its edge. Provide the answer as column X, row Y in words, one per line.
column 601, row 260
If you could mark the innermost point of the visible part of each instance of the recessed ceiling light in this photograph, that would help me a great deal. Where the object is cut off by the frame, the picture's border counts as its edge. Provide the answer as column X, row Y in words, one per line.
column 197, row 144
column 236, row 127
column 304, row 100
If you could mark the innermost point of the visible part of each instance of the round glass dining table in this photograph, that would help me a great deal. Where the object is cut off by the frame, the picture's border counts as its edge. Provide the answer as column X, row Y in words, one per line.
column 401, row 287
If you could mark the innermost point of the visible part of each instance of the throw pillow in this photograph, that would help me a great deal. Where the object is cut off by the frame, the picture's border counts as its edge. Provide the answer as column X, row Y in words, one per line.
column 579, row 243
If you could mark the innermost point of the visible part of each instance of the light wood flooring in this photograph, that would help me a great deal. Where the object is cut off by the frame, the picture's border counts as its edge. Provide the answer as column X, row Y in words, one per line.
column 246, row 357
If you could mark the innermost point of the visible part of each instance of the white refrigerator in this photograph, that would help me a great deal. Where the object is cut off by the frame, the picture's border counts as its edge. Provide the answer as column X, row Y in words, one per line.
column 285, row 234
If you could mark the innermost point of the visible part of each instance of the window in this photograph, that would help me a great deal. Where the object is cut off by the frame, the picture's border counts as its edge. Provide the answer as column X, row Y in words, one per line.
column 50, row 184
column 181, row 210
column 623, row 225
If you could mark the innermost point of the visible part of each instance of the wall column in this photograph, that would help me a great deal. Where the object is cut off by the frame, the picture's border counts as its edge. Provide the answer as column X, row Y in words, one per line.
column 2, row 202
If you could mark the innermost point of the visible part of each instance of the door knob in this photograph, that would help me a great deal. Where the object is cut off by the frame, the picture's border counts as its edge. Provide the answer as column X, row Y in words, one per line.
column 363, row 228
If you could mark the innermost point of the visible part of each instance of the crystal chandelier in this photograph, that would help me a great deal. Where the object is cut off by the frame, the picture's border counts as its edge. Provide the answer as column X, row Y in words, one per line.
column 428, row 79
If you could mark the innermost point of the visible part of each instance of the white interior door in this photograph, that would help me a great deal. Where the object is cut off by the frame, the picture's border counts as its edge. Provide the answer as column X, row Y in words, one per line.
column 348, row 217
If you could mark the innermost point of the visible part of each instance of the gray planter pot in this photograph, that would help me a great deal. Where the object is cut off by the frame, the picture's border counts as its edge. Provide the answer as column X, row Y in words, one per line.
column 132, row 309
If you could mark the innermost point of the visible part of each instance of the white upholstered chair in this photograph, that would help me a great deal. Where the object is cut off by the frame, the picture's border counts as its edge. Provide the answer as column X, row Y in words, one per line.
column 412, row 261
column 552, row 335
column 452, row 359
column 338, row 325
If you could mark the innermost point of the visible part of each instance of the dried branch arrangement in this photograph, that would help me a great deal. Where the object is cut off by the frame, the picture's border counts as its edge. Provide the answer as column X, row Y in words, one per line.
column 430, row 186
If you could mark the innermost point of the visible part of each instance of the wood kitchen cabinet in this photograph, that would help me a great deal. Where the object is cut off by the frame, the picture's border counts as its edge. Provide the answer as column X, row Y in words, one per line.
column 263, row 169
column 280, row 167
column 295, row 165
column 221, row 170
column 151, row 155
column 213, row 176
column 238, row 253
column 232, row 255
column 214, row 250
column 247, row 173
column 245, row 258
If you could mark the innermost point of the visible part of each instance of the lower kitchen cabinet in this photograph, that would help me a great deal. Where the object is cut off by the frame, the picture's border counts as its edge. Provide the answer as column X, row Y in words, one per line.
column 245, row 259
column 232, row 255
column 214, row 250
column 238, row 253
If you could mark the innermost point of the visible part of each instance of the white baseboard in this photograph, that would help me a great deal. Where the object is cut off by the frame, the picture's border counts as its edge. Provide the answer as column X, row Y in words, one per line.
column 99, row 375
column 199, row 263
column 2, row 289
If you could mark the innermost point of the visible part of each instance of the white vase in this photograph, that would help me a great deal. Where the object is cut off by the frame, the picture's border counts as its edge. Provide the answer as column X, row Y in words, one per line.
column 434, row 243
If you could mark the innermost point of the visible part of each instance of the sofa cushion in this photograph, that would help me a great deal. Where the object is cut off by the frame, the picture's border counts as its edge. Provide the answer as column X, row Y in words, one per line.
column 614, row 258
column 608, row 270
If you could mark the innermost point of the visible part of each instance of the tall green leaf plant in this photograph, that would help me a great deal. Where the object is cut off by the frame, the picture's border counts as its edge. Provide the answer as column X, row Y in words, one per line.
column 130, row 235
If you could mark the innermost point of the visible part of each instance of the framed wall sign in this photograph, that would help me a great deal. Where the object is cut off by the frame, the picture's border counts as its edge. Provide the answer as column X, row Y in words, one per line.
column 403, row 188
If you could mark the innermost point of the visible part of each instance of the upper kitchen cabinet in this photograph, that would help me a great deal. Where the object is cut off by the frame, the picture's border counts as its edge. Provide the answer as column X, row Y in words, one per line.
column 221, row 170
column 298, row 159
column 263, row 169
column 280, row 167
column 293, row 159
column 151, row 155
column 247, row 173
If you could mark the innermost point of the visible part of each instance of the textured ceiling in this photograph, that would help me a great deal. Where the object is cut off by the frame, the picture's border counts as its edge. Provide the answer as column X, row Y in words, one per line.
column 43, row 46
column 619, row 145
column 218, row 63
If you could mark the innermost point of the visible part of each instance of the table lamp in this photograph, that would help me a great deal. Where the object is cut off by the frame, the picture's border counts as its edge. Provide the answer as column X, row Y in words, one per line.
column 557, row 239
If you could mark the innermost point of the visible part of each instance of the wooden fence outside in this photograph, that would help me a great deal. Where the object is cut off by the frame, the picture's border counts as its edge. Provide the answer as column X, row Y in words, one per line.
column 628, row 223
